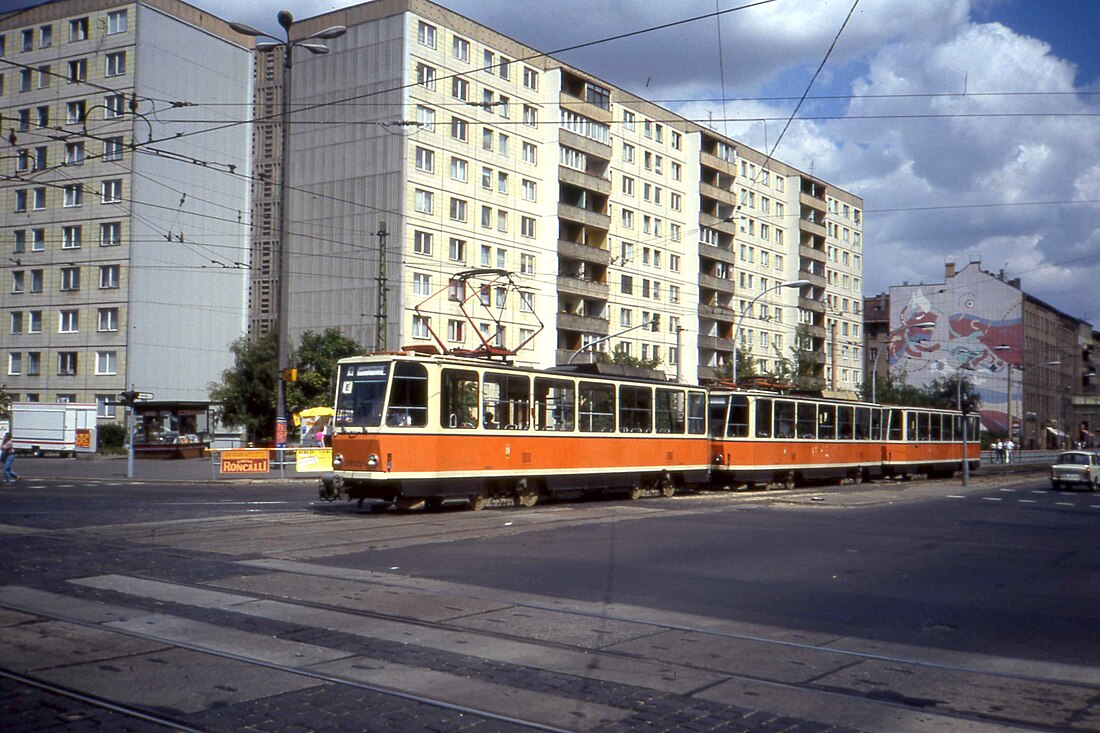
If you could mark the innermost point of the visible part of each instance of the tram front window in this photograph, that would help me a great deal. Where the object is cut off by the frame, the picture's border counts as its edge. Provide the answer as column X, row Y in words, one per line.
column 409, row 396
column 360, row 395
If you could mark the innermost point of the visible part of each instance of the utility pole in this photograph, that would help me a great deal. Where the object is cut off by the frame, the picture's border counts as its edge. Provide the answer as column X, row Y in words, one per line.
column 381, row 315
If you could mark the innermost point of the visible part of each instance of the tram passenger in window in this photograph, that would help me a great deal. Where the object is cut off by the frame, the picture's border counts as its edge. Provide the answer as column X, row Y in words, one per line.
column 491, row 421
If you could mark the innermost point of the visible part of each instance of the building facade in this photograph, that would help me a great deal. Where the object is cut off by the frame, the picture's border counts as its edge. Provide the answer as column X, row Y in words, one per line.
column 627, row 228
column 124, row 199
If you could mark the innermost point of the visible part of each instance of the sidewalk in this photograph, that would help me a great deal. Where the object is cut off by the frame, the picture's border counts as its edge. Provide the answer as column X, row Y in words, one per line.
column 113, row 468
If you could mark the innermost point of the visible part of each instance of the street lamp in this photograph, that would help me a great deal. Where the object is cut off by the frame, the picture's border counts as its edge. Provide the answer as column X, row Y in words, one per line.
column 747, row 308
column 924, row 326
column 286, row 20
column 655, row 322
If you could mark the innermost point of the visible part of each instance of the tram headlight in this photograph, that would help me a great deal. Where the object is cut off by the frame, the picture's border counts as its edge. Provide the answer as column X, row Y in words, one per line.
column 372, row 460
column 337, row 460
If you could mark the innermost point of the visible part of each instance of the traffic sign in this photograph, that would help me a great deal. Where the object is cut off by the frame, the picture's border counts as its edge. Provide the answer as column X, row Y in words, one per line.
column 144, row 395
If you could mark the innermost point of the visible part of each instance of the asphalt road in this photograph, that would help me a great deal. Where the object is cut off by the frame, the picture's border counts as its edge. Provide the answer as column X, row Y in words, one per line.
column 886, row 607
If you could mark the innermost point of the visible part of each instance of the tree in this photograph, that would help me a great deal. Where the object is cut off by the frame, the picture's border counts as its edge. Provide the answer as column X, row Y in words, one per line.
column 945, row 392
column 315, row 360
column 246, row 394
column 802, row 368
column 619, row 357
column 892, row 390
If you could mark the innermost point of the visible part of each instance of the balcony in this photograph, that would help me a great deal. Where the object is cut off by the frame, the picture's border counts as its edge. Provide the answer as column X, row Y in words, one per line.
column 718, row 254
column 811, row 202
column 718, row 194
column 726, row 227
column 580, row 179
column 583, row 144
column 717, row 313
column 811, row 227
column 583, row 252
column 583, row 287
column 584, row 324
column 584, row 216
column 717, row 283
column 587, row 109
column 714, row 343
column 713, row 161
column 811, row 305
column 818, row 281
column 810, row 253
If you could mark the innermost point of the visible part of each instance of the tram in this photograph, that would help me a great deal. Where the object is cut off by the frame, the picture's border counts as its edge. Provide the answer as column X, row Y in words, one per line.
column 423, row 428
column 761, row 438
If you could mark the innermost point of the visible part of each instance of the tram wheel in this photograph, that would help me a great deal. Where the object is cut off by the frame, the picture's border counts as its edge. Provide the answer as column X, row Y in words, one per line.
column 857, row 478
column 477, row 503
column 409, row 504
column 668, row 489
column 434, row 502
column 526, row 495
column 635, row 492
column 788, row 481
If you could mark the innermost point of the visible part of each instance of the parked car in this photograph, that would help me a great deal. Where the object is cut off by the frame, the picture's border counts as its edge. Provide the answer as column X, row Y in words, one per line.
column 1076, row 467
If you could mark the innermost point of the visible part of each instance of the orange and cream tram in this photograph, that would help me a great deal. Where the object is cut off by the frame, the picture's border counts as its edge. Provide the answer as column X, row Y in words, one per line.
column 765, row 437
column 417, row 428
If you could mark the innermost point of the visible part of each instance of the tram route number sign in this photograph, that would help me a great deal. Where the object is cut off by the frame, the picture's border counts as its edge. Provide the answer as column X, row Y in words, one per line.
column 245, row 460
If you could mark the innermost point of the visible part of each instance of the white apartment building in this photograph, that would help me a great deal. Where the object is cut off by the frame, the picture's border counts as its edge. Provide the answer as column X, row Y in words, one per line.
column 124, row 199
column 473, row 151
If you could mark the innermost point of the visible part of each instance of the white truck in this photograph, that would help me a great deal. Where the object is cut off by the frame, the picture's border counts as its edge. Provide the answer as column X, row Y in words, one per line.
column 64, row 427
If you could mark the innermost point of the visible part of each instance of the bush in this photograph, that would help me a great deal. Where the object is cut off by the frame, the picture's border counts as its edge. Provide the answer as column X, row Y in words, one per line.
column 110, row 437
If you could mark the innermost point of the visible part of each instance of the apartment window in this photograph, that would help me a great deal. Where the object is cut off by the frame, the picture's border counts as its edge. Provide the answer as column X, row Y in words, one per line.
column 110, row 233
column 116, row 22
column 424, row 201
column 112, row 191
column 505, row 67
column 460, row 49
column 574, row 159
column 530, row 78
column 628, row 153
column 487, row 104
column 530, row 190
column 674, row 201
column 44, row 76
column 626, row 285
column 78, row 30
column 425, row 117
column 74, row 153
column 486, row 178
column 116, row 63
column 504, row 106
column 422, row 284
column 458, row 209
column 68, row 321
column 70, row 236
column 460, row 129
column 527, row 226
column 74, row 195
column 115, row 106
column 28, row 40
column 17, row 322
column 17, row 281
column 425, row 34
column 486, row 255
column 627, row 217
column 34, row 321
column 674, row 263
column 105, row 405
column 527, row 264
column 425, row 160
column 45, row 36
column 34, row 366
column 39, row 198
column 502, row 258
column 502, row 182
column 675, row 171
column 457, row 250
column 66, row 364
column 425, row 76
column 486, row 139
column 78, row 70
column 25, row 80
column 23, row 161
column 106, row 362
column 502, row 143
column 597, row 95
column 70, row 278
column 628, row 185
column 108, row 319
column 108, row 276
column 486, row 217
column 15, row 363
column 20, row 199
column 19, row 241
column 676, row 140
column 530, row 153
column 456, row 330
column 24, row 116
column 460, row 169
column 530, row 116
column 422, row 242
column 420, row 327
column 502, row 220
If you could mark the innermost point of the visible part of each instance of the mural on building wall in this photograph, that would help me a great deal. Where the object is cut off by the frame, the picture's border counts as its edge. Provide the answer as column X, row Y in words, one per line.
column 971, row 323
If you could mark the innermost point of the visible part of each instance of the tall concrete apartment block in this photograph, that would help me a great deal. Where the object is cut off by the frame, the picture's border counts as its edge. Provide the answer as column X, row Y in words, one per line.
column 473, row 151
column 124, row 199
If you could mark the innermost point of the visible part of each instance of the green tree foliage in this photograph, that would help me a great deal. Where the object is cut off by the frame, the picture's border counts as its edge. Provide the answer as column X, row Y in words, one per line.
column 315, row 360
column 619, row 357
column 246, row 395
column 946, row 391
column 892, row 390
column 5, row 403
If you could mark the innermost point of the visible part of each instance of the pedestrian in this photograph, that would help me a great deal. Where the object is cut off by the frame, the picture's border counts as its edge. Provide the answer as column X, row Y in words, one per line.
column 999, row 452
column 7, row 454
column 1009, row 447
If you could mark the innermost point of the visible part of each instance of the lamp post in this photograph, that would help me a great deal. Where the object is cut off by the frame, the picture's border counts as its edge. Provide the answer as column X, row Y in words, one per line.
column 965, row 421
column 286, row 20
column 924, row 326
column 747, row 308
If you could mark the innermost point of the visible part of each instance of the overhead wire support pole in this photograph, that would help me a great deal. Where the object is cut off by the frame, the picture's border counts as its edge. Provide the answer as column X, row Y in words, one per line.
column 381, row 311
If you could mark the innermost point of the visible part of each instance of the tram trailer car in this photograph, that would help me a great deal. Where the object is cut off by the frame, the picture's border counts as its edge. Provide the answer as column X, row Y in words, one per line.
column 412, row 429
column 765, row 438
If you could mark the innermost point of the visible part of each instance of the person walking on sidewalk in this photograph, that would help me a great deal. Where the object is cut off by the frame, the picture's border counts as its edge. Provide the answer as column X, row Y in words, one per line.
column 7, row 454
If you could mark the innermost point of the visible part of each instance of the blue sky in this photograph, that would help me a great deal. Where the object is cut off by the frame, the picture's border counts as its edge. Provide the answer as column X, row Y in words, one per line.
column 1008, row 174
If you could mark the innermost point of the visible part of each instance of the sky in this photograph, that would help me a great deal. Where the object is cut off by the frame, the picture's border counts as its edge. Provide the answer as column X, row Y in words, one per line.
column 971, row 128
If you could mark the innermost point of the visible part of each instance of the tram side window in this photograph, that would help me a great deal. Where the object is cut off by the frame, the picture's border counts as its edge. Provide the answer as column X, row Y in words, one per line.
column 784, row 419
column 360, row 396
column 635, row 409
column 937, row 427
column 863, row 423
column 669, row 414
column 697, row 413
column 876, row 423
column 826, row 422
column 807, row 420
column 950, row 425
column 458, row 399
column 719, row 406
column 911, row 426
column 895, row 424
column 845, row 422
column 763, row 418
column 739, row 417
column 555, row 404
column 597, row 408
column 506, row 401
column 408, row 405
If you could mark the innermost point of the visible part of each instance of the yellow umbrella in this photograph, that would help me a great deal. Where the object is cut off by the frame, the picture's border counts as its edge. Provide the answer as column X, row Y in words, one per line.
column 313, row 412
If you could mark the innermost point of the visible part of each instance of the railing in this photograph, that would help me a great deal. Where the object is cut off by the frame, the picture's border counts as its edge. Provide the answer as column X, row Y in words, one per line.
column 299, row 461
